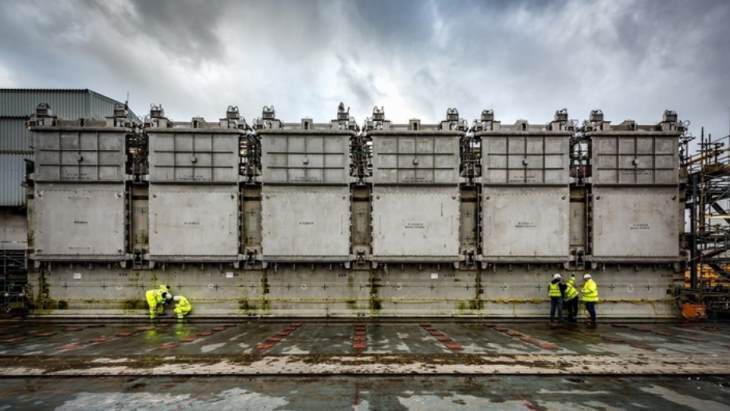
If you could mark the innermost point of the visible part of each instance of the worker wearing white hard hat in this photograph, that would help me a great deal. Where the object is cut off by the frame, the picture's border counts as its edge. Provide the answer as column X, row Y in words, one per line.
column 589, row 296
column 555, row 292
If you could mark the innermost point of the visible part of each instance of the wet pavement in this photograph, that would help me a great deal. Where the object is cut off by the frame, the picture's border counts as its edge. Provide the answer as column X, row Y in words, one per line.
column 319, row 364
column 319, row 347
column 355, row 338
column 367, row 393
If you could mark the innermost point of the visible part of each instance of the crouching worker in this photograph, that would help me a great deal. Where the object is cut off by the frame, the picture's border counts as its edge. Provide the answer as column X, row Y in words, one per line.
column 156, row 300
column 182, row 306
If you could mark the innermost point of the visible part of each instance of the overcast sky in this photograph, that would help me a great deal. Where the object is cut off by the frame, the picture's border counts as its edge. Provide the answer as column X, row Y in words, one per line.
column 633, row 59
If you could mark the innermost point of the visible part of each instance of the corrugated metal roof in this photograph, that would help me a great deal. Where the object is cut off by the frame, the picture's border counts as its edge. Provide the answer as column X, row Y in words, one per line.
column 65, row 103
column 12, row 170
column 14, row 136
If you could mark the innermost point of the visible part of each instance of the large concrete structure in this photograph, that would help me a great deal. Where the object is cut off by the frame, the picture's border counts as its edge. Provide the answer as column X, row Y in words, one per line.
column 312, row 219
column 415, row 195
column 16, row 150
column 305, row 190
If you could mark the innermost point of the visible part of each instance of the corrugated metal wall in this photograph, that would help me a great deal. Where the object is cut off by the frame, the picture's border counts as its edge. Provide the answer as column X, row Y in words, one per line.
column 14, row 136
column 12, row 170
column 68, row 104
column 16, row 105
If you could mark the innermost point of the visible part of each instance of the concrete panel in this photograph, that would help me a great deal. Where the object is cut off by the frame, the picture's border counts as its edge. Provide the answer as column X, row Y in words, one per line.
column 524, row 159
column 525, row 223
column 251, row 199
column 469, row 221
column 94, row 154
column 79, row 221
column 121, row 292
column 624, row 293
column 420, row 222
column 631, row 223
column 306, row 223
column 434, row 290
column 414, row 158
column 193, row 222
column 360, row 225
column 318, row 157
column 194, row 155
column 140, row 219
column 577, row 221
column 635, row 158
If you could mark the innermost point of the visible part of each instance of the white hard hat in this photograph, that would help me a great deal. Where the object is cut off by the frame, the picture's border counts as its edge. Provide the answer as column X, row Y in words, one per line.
column 586, row 276
column 176, row 298
column 167, row 296
column 556, row 276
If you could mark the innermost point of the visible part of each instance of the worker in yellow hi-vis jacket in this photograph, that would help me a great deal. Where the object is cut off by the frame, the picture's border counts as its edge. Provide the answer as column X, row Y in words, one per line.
column 182, row 306
column 156, row 300
column 570, row 298
column 589, row 295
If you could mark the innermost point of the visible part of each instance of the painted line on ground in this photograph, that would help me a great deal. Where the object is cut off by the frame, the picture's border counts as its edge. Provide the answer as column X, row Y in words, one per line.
column 444, row 339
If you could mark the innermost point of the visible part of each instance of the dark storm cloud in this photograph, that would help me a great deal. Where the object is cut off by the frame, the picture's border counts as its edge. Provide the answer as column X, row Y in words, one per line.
column 361, row 85
column 182, row 27
column 524, row 59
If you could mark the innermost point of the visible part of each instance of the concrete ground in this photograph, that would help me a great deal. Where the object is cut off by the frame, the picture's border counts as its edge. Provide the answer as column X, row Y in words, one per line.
column 320, row 364
column 367, row 393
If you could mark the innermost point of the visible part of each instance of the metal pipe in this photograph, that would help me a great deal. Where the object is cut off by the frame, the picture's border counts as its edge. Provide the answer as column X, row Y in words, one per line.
column 693, row 234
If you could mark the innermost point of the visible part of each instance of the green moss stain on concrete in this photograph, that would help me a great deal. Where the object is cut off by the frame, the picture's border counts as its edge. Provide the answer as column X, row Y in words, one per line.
column 134, row 304
column 264, row 301
column 477, row 303
column 375, row 303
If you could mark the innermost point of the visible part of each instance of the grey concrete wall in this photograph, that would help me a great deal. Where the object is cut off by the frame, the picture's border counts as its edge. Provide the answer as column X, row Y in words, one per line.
column 79, row 220
column 306, row 222
column 635, row 222
column 193, row 221
column 531, row 222
column 307, row 290
column 415, row 221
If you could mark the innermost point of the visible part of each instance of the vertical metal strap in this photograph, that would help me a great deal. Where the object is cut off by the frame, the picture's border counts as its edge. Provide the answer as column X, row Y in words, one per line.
column 193, row 137
column 306, row 157
column 506, row 156
column 653, row 159
column 433, row 159
column 98, row 158
column 287, row 154
column 636, row 156
column 544, row 166
column 78, row 153
column 524, row 159
column 174, row 156
column 618, row 170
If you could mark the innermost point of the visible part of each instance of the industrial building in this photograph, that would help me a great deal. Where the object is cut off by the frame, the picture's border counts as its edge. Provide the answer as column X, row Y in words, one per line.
column 336, row 219
column 16, row 149
column 382, row 259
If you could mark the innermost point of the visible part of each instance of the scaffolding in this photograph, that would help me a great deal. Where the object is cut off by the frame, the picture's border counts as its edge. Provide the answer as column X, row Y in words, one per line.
column 707, row 237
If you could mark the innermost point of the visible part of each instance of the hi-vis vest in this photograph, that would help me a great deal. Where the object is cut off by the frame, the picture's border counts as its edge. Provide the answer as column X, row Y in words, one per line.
column 570, row 291
column 590, row 291
column 554, row 290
